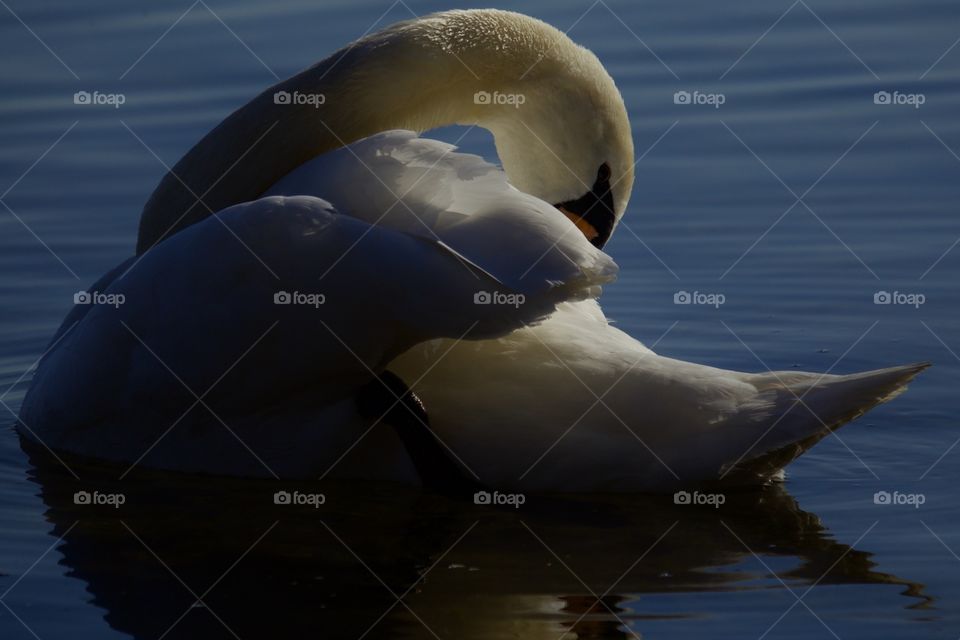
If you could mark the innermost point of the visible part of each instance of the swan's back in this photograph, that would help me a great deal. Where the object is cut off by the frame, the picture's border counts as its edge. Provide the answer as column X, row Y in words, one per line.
column 592, row 409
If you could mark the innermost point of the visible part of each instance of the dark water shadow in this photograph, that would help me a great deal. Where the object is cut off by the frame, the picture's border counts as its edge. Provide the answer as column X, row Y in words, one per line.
column 203, row 557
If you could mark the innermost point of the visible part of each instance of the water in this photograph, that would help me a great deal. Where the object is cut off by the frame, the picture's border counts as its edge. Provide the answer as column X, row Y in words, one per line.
column 876, row 184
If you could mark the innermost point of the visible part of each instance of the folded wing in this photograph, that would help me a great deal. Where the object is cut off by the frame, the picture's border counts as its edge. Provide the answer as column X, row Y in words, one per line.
column 425, row 188
column 286, row 295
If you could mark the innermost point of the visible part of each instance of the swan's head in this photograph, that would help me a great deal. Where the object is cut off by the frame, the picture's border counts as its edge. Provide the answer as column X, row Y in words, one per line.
column 570, row 144
column 559, row 122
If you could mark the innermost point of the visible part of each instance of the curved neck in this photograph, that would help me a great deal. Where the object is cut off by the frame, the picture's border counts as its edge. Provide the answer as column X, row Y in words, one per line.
column 329, row 106
column 417, row 75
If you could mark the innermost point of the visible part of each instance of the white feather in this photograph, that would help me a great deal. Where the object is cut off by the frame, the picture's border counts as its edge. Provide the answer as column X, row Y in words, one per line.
column 575, row 404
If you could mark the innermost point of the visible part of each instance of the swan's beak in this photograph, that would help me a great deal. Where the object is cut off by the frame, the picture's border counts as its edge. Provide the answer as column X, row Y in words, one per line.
column 586, row 228
column 593, row 213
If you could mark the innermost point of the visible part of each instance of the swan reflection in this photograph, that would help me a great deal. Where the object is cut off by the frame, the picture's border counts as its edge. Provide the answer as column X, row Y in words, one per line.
column 204, row 557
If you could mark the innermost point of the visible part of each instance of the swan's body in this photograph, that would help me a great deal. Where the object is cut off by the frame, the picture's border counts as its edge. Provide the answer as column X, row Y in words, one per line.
column 201, row 371
column 198, row 301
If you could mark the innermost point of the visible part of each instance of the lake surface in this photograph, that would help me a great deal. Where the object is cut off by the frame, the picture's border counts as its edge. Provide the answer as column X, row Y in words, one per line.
column 715, row 210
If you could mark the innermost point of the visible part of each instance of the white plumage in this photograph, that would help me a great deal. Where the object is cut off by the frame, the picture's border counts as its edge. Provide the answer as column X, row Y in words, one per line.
column 421, row 187
column 245, row 337
column 575, row 404
column 195, row 304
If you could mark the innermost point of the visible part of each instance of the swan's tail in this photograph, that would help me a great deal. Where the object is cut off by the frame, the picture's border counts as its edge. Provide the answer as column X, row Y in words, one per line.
column 800, row 409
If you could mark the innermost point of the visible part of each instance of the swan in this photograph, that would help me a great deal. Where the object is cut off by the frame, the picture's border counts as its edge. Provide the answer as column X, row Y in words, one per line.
column 313, row 268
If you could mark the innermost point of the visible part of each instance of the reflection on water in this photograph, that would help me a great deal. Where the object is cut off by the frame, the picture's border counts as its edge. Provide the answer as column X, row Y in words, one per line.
column 194, row 557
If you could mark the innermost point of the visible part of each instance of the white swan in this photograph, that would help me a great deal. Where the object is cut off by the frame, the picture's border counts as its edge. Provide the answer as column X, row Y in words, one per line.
column 199, row 370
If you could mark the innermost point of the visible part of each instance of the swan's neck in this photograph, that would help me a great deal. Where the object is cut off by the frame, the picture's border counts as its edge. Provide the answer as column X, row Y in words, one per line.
column 416, row 75
column 264, row 140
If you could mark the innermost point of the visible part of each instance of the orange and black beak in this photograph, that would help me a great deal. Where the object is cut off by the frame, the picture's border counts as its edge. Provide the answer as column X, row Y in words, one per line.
column 593, row 212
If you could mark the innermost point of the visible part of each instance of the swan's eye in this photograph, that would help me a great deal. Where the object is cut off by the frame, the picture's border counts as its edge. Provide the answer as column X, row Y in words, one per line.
column 593, row 212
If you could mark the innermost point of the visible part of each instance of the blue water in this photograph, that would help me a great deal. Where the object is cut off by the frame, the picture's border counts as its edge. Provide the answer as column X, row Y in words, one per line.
column 714, row 210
